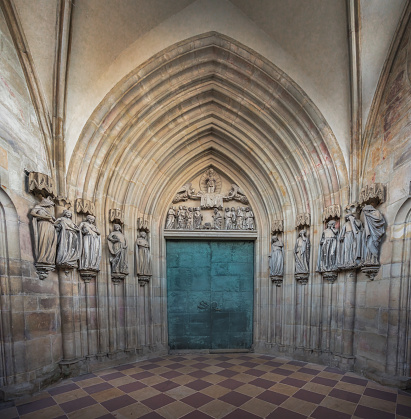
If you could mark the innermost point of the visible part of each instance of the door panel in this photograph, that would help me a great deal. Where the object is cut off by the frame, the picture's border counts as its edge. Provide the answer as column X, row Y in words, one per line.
column 210, row 288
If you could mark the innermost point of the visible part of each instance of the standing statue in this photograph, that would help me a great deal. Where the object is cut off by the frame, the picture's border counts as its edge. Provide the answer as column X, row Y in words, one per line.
column 211, row 181
column 302, row 253
column 117, row 246
column 181, row 217
column 374, row 229
column 190, row 219
column 349, row 247
column 197, row 218
column 228, row 219
column 249, row 219
column 171, row 219
column 218, row 219
column 90, row 245
column 327, row 253
column 239, row 218
column 276, row 262
column 68, row 244
column 143, row 259
column 45, row 237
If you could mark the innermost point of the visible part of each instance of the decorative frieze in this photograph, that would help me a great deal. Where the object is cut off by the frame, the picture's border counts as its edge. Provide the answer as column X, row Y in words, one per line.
column 116, row 215
column 333, row 211
column 84, row 206
column 41, row 184
column 303, row 220
column 373, row 194
column 277, row 227
column 62, row 202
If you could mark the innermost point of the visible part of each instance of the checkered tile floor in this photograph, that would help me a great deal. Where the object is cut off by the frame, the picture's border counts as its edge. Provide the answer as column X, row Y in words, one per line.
column 216, row 386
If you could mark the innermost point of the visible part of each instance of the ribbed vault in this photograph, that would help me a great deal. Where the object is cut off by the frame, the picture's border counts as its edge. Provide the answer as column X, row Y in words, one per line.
column 207, row 100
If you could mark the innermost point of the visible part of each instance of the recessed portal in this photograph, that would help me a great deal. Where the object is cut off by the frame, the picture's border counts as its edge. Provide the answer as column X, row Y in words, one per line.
column 210, row 289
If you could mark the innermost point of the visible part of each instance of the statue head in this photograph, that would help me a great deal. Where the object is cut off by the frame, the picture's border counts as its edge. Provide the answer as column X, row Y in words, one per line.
column 274, row 238
column 227, row 209
column 232, row 209
column 215, row 210
column 91, row 219
column 331, row 224
column 143, row 234
column 46, row 202
column 117, row 227
column 368, row 208
column 302, row 233
column 67, row 213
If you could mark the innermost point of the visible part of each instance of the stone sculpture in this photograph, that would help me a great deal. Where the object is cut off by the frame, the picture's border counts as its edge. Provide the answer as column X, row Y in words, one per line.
column 374, row 229
column 197, row 218
column 90, row 245
column 190, row 219
column 181, row 217
column 249, row 219
column 211, row 181
column 68, row 244
column 171, row 219
column 143, row 259
column 327, row 253
column 45, row 237
column 276, row 262
column 236, row 194
column 349, row 246
column 302, row 257
column 239, row 218
column 218, row 219
column 117, row 246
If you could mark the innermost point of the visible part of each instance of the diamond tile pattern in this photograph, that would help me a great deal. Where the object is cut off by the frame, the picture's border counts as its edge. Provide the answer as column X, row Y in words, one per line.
column 216, row 386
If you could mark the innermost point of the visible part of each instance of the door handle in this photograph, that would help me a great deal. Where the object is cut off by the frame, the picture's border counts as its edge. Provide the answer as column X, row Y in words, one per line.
column 203, row 305
column 214, row 306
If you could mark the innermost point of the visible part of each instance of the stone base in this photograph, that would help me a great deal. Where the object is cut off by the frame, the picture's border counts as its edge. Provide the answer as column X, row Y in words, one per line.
column 73, row 367
column 344, row 362
column 330, row 276
column 302, row 278
column 143, row 280
column 370, row 270
column 277, row 280
column 88, row 275
column 117, row 278
column 43, row 270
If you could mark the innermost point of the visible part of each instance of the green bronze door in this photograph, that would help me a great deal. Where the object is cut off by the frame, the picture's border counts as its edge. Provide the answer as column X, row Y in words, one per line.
column 210, row 289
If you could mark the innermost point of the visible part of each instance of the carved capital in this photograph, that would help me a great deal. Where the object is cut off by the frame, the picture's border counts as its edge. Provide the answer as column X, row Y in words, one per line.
column 41, row 184
column 88, row 275
column 373, row 194
column 62, row 201
column 330, row 276
column 278, row 226
column 277, row 280
column 84, row 206
column 43, row 270
column 303, row 219
column 371, row 270
column 333, row 211
column 142, row 225
column 117, row 278
column 302, row 278
column 116, row 215
column 143, row 279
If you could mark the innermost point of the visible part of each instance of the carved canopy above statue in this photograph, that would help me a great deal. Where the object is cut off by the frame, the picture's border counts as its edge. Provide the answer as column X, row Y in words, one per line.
column 218, row 204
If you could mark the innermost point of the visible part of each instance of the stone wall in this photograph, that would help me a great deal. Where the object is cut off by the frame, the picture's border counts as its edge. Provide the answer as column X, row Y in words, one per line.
column 29, row 308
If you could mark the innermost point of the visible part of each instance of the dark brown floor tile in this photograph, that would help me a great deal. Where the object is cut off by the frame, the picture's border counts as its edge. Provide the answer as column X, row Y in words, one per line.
column 158, row 401
column 107, row 416
column 379, row 394
column 63, row 389
column 293, row 382
column 175, row 366
column 77, row 404
column 199, row 374
column 197, row 400
column 274, row 364
column 198, row 385
column 130, row 387
column 309, row 371
column 235, row 398
column 324, row 381
column 171, row 374
column 282, row 371
column 152, row 415
column 224, row 365
column 125, row 367
column 97, row 388
column 260, row 382
column 227, row 373
column 83, row 377
column 144, row 374
column 285, row 414
column 255, row 372
column 345, row 395
column 334, row 370
column 354, row 380
column 200, row 365
column 272, row 397
column 197, row 415
column 149, row 366
column 230, row 383
column 404, row 410
column 118, row 402
column 297, row 363
column 309, row 396
column 249, row 364
column 36, row 405
column 112, row 376
column 241, row 414
column 325, row 413
column 165, row 386
column 368, row 413
column 201, row 358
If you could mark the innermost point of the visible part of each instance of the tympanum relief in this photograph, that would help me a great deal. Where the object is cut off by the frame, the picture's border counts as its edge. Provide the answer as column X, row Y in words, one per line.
column 213, row 212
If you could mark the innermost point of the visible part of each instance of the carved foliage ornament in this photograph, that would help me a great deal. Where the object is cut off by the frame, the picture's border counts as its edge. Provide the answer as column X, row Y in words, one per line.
column 84, row 206
column 373, row 194
column 278, row 226
column 41, row 184
column 333, row 211
column 116, row 216
column 303, row 219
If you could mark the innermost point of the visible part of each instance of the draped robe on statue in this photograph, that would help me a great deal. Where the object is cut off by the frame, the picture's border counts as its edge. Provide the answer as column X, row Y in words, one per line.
column 90, row 254
column 68, row 245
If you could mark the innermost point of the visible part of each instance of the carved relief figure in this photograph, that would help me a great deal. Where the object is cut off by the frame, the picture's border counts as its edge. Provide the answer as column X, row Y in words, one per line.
column 211, row 181
column 249, row 219
column 374, row 229
column 197, row 218
column 181, row 217
column 349, row 247
column 327, row 253
column 229, row 215
column 218, row 219
column 117, row 246
column 190, row 219
column 45, row 236
column 90, row 245
column 276, row 262
column 68, row 244
column 302, row 253
column 239, row 218
column 171, row 219
column 143, row 257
